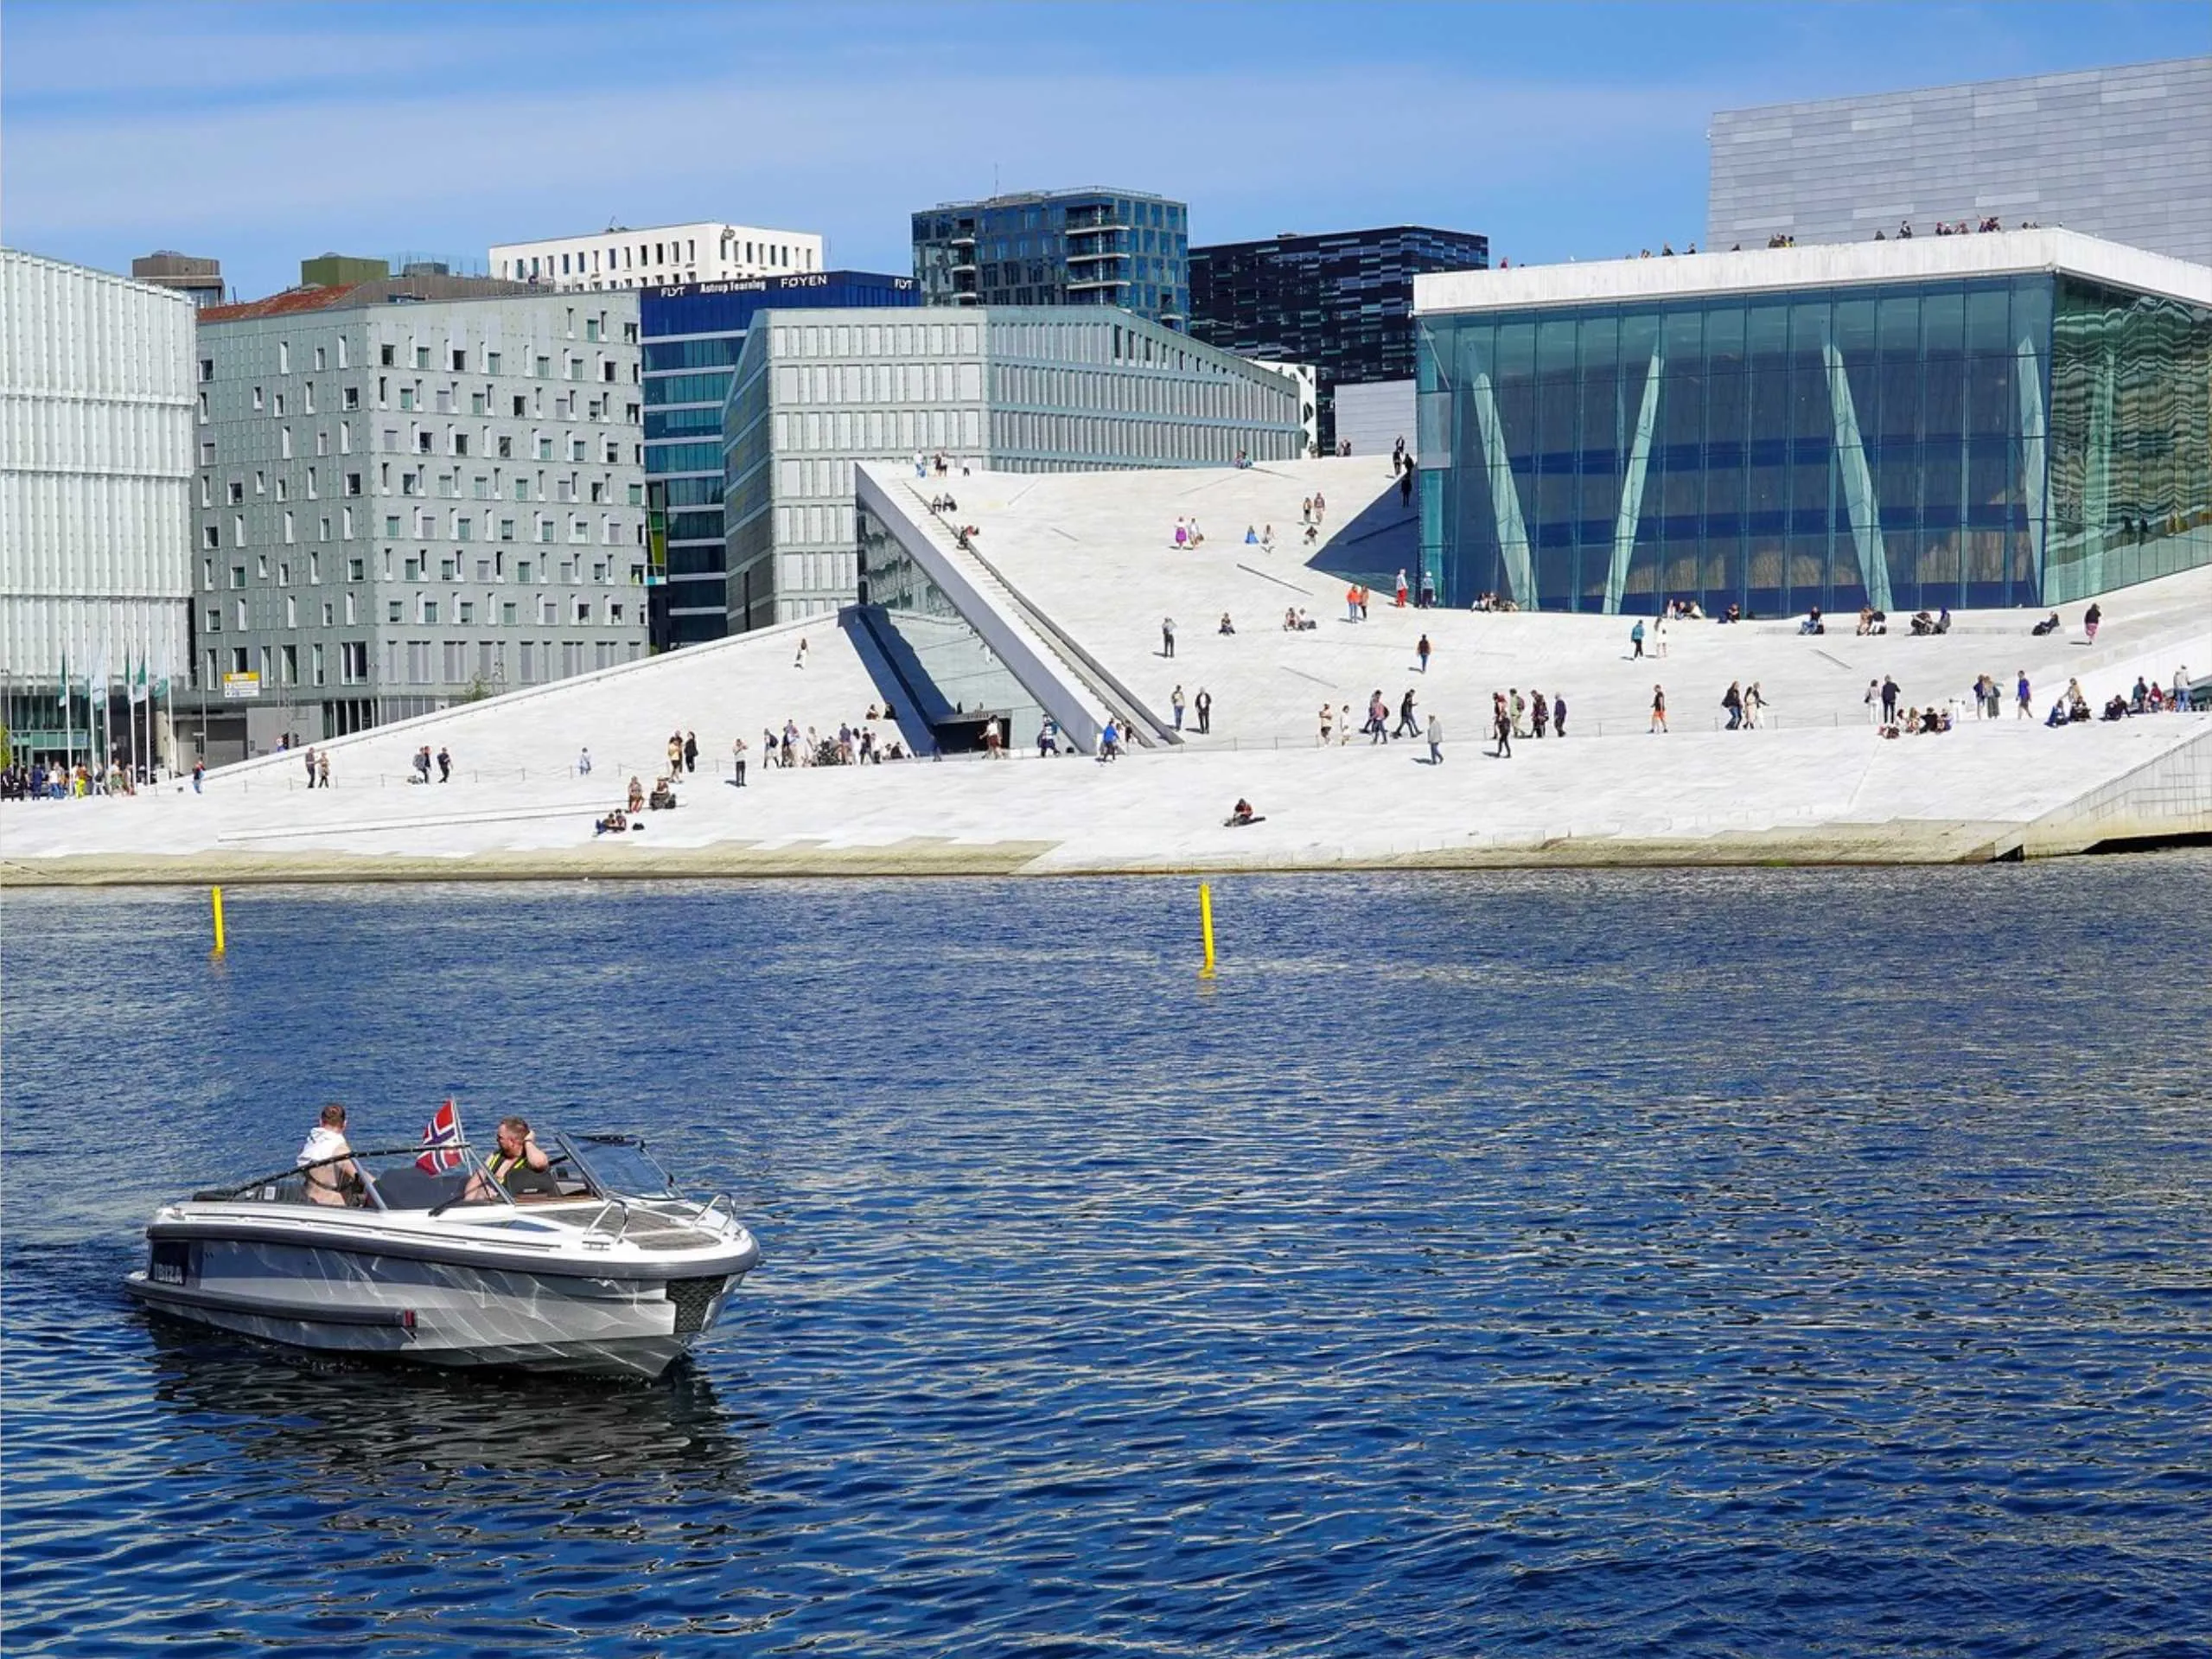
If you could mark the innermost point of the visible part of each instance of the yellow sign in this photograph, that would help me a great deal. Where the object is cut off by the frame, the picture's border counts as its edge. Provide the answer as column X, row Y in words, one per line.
column 239, row 685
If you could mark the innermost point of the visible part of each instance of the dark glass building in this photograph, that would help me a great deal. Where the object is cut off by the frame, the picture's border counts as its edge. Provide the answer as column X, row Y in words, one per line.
column 1342, row 304
column 2022, row 419
column 1058, row 247
column 691, row 334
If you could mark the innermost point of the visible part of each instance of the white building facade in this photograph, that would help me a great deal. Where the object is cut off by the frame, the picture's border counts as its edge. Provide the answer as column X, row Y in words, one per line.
column 618, row 257
column 96, row 463
column 1002, row 388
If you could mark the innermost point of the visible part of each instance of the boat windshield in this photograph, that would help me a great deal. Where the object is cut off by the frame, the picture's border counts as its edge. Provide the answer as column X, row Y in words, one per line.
column 617, row 1166
column 394, row 1179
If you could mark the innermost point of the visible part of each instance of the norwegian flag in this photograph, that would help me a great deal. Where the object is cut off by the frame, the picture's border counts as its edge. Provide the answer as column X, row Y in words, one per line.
column 442, row 1134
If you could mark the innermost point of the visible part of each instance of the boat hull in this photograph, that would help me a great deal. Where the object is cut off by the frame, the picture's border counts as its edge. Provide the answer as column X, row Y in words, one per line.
column 410, row 1300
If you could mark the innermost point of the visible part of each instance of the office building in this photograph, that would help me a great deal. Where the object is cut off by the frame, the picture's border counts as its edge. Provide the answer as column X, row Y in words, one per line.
column 2016, row 419
column 1343, row 303
column 1058, row 247
column 691, row 334
column 657, row 256
column 1011, row 389
column 405, row 502
column 2122, row 153
column 198, row 280
column 95, row 492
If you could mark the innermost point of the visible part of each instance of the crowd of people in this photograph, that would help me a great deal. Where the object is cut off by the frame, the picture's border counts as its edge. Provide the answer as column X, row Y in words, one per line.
column 39, row 779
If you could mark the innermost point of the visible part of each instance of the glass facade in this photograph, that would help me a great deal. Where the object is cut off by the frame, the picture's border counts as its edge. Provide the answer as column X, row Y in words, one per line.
column 1064, row 247
column 2010, row 440
column 952, row 680
column 1342, row 303
column 692, row 334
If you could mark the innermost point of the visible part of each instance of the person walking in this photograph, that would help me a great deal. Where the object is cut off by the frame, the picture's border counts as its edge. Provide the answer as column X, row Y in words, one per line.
column 1422, row 649
column 1658, row 709
column 1889, row 701
column 199, row 771
column 584, row 763
column 1635, row 640
column 2090, row 618
column 1409, row 725
column 690, row 752
column 1658, row 635
column 1500, row 728
column 1559, row 714
column 798, row 661
column 1167, row 636
column 1733, row 702
column 1873, row 698
column 322, row 771
column 309, row 758
column 1540, row 712
column 738, row 759
column 1402, row 589
column 1175, row 702
column 1328, row 723
column 444, row 764
column 1436, row 740
column 2021, row 693
column 1519, row 713
column 1203, row 703
column 1754, row 702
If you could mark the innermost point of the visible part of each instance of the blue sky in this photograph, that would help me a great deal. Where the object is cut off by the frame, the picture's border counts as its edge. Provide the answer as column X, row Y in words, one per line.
column 260, row 133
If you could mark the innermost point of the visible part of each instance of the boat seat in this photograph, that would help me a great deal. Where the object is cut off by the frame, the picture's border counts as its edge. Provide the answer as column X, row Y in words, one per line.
column 413, row 1189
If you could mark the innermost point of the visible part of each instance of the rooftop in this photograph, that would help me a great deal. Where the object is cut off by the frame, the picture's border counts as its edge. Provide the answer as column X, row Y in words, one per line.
column 1827, row 265
column 384, row 290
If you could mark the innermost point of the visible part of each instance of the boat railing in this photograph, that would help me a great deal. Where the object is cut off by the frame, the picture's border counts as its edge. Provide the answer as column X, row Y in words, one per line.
column 591, row 1227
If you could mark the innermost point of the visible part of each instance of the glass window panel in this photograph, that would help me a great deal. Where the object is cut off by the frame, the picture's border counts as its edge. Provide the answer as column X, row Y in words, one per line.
column 1943, row 325
column 1683, row 335
column 1988, row 329
column 1896, row 329
column 1767, row 333
column 1943, row 403
column 1808, row 330
column 1854, row 331
column 2032, row 299
column 1599, row 338
column 1725, row 340
column 1992, row 405
column 1555, row 347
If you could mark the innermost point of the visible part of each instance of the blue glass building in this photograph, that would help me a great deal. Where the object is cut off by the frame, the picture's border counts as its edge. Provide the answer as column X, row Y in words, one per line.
column 2015, row 418
column 1088, row 246
column 691, row 334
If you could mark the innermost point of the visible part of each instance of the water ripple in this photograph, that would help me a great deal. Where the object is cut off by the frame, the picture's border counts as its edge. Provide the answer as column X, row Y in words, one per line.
column 1683, row 1263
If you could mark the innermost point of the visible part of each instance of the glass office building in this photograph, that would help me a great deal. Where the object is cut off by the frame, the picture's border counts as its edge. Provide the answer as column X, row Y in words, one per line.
column 692, row 333
column 1343, row 303
column 1087, row 246
column 2023, row 420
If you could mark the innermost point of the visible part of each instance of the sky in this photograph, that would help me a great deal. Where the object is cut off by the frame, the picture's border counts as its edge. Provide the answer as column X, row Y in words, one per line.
column 262, row 134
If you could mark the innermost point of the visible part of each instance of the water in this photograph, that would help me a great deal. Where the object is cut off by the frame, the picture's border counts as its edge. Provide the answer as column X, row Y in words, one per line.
column 1748, row 1262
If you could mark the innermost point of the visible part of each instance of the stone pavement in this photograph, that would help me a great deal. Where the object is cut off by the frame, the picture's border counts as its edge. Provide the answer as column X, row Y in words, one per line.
column 1096, row 552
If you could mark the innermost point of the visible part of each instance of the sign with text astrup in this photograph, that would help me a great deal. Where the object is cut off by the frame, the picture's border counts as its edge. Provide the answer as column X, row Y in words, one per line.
column 240, row 686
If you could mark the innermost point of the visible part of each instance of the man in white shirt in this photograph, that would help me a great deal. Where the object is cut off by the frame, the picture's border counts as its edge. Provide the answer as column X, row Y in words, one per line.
column 326, row 1161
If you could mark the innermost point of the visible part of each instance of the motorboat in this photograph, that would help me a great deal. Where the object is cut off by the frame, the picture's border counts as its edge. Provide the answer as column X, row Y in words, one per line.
column 611, row 1271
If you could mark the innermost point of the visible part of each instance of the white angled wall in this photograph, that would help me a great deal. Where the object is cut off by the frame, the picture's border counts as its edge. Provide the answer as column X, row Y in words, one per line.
column 96, row 466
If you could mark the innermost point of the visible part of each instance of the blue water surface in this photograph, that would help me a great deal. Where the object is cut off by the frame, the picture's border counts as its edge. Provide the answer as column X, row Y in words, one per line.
column 1749, row 1262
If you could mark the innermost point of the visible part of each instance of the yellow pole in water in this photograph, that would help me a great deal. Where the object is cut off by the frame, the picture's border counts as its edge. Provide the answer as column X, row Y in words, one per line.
column 1206, row 927
column 216, row 893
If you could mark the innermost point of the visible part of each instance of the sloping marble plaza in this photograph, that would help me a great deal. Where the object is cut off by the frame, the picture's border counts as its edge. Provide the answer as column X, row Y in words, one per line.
column 1074, row 576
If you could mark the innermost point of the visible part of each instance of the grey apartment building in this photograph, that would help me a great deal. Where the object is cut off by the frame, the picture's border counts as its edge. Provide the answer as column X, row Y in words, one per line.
column 2124, row 154
column 410, row 492
column 1011, row 389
